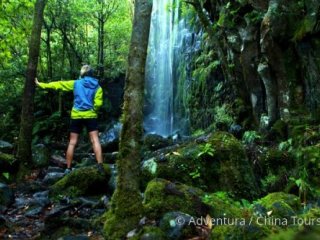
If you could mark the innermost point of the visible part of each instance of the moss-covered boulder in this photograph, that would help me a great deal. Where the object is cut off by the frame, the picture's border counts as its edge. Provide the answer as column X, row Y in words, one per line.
column 213, row 163
column 83, row 181
column 234, row 171
column 163, row 196
column 280, row 205
column 221, row 205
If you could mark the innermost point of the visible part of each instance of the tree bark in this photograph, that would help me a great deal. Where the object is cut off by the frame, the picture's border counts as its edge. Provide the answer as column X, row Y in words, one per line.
column 101, row 23
column 48, row 49
column 126, row 208
column 24, row 153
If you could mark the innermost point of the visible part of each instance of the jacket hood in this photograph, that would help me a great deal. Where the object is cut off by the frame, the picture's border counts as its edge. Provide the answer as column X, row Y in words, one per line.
column 89, row 82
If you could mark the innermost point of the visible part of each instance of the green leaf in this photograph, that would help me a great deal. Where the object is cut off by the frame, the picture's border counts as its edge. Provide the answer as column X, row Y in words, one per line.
column 6, row 175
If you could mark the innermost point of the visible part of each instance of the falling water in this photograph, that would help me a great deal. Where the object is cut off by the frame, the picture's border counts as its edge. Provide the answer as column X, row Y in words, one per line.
column 170, row 44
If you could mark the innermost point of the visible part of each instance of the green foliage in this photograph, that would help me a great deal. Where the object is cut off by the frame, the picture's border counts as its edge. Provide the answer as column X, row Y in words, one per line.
column 222, row 115
column 6, row 175
column 48, row 128
column 269, row 180
column 198, row 133
column 250, row 137
column 205, row 66
column 286, row 145
column 206, row 149
column 254, row 17
column 9, row 108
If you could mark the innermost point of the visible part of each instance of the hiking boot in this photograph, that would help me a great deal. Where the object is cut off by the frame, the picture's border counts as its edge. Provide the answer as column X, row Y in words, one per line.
column 67, row 171
column 100, row 168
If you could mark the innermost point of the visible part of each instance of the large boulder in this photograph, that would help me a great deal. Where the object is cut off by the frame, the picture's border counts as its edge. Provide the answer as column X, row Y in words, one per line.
column 216, row 163
column 83, row 181
column 162, row 196
column 279, row 205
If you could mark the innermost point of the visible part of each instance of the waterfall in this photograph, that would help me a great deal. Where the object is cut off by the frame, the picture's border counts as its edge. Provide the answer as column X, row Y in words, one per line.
column 170, row 45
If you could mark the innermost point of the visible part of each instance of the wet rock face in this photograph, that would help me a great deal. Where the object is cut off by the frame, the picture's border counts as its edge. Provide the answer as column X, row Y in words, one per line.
column 267, row 50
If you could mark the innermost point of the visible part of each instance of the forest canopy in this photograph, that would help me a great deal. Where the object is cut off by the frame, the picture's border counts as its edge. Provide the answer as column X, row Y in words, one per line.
column 71, row 35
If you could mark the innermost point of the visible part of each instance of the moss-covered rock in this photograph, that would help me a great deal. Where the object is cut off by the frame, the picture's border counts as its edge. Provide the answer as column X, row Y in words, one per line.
column 234, row 170
column 214, row 163
column 221, row 205
column 280, row 205
column 163, row 196
column 83, row 181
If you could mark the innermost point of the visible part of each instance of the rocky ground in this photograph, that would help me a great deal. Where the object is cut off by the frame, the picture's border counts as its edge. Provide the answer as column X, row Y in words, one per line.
column 212, row 186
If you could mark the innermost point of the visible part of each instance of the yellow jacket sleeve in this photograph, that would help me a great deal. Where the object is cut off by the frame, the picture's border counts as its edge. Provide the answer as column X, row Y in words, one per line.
column 59, row 85
column 98, row 99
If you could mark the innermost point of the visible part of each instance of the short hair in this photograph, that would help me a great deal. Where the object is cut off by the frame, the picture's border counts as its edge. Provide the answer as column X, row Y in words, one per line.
column 86, row 70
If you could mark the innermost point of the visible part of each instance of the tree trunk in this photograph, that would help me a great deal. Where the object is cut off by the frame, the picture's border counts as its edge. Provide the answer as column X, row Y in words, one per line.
column 48, row 49
column 100, row 69
column 126, row 208
column 25, row 136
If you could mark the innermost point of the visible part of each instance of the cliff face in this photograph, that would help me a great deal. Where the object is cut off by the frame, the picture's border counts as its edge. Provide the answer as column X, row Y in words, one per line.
column 268, row 52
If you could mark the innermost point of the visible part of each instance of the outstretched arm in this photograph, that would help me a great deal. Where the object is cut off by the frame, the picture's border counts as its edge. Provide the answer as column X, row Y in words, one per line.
column 59, row 85
column 98, row 99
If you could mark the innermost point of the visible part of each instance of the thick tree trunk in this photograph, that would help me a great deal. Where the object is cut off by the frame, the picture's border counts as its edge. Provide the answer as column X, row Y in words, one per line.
column 126, row 207
column 25, row 136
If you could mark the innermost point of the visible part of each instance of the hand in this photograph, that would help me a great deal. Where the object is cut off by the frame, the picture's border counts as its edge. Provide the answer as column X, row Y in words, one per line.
column 36, row 81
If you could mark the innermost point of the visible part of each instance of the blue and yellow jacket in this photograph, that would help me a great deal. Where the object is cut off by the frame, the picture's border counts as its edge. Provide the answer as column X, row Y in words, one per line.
column 88, row 96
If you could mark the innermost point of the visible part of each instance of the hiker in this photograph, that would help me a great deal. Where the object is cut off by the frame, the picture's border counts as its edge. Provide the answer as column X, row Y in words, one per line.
column 87, row 100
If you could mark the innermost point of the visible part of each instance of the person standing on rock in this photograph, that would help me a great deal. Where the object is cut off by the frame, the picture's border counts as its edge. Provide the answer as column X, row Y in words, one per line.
column 88, row 98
